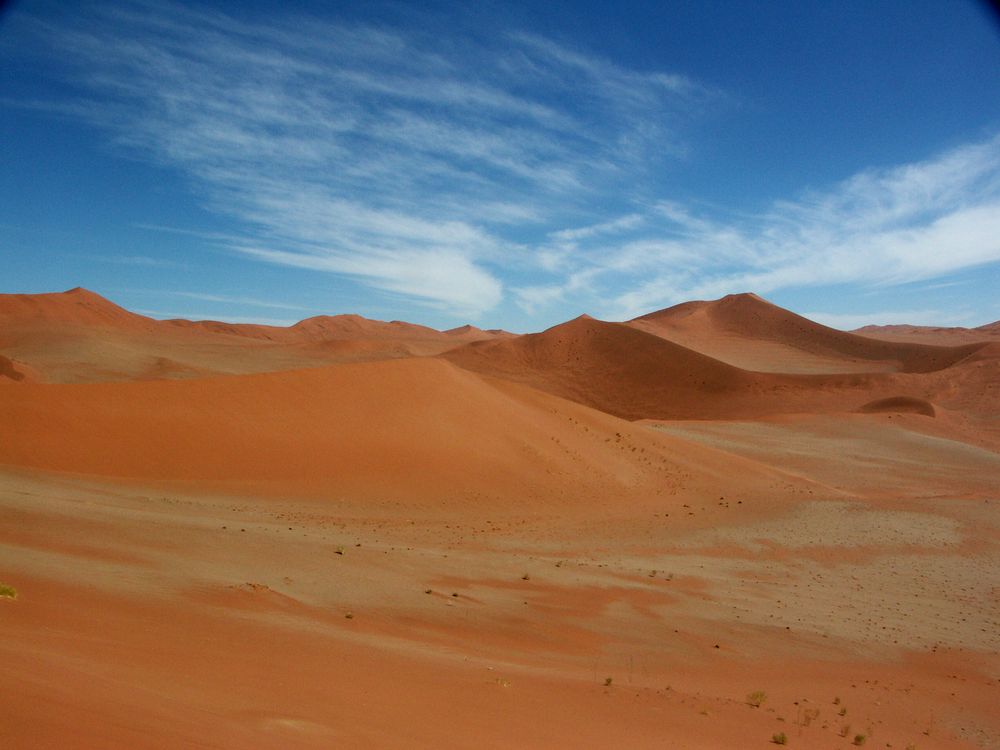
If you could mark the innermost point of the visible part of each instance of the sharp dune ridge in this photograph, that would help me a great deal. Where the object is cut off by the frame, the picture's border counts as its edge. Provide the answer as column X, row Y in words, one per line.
column 626, row 370
column 736, row 325
column 702, row 528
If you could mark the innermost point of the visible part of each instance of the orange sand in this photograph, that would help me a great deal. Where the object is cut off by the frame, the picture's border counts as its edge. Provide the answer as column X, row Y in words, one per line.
column 190, row 511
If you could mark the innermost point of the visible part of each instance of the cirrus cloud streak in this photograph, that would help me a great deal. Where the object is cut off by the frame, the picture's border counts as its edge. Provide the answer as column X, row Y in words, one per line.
column 411, row 164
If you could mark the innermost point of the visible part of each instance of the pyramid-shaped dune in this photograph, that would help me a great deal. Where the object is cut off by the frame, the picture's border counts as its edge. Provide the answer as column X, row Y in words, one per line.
column 750, row 332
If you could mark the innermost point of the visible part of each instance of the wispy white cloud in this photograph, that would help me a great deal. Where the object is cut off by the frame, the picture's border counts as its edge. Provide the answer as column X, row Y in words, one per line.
column 440, row 278
column 911, row 223
column 143, row 261
column 457, row 172
column 578, row 284
column 235, row 300
column 611, row 226
column 374, row 153
column 220, row 237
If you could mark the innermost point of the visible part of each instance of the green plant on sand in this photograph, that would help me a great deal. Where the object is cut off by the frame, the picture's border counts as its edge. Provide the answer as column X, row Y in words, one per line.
column 756, row 698
column 8, row 592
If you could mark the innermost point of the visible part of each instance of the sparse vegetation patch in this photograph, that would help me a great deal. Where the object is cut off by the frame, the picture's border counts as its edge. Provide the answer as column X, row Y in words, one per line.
column 8, row 592
column 756, row 698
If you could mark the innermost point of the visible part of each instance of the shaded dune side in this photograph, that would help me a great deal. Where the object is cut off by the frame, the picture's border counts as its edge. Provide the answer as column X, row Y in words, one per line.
column 900, row 404
column 9, row 371
column 745, row 318
column 637, row 375
column 613, row 368
column 417, row 429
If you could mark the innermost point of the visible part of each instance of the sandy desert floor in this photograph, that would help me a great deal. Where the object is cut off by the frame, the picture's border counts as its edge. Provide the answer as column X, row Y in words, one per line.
column 273, row 561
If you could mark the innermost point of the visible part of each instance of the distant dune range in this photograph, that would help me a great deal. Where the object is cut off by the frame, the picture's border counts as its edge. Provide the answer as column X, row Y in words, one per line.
column 736, row 357
column 408, row 426
column 344, row 399
column 943, row 336
column 78, row 336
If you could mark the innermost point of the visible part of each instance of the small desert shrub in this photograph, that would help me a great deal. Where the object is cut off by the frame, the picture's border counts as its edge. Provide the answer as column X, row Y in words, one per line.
column 8, row 591
column 607, row 682
column 860, row 739
column 756, row 698
column 780, row 738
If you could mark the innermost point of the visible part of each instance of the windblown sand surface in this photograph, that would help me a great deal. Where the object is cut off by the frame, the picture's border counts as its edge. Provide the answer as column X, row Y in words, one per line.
column 597, row 536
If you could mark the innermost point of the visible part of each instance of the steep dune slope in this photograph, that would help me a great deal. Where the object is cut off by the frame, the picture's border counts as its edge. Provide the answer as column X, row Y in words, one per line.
column 750, row 332
column 612, row 367
column 633, row 374
column 75, row 308
column 420, row 429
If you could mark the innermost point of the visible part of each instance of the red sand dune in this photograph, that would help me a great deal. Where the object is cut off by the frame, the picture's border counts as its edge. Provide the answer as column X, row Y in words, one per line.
column 76, row 307
column 78, row 336
column 610, row 367
column 938, row 335
column 472, row 333
column 633, row 374
column 410, row 428
column 750, row 332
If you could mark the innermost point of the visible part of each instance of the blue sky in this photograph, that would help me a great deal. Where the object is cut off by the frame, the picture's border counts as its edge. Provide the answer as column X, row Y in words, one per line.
column 507, row 164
